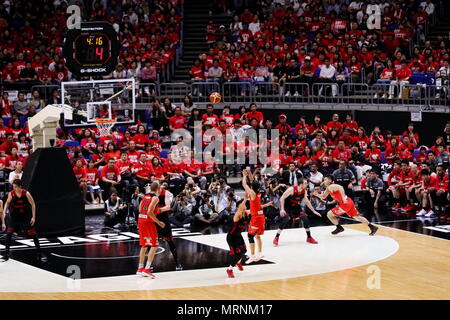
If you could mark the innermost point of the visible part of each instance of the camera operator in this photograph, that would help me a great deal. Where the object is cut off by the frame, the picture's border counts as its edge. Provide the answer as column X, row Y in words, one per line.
column 318, row 204
column 227, row 206
column 115, row 210
column 181, row 212
column 191, row 191
column 373, row 192
column 205, row 211
column 274, row 193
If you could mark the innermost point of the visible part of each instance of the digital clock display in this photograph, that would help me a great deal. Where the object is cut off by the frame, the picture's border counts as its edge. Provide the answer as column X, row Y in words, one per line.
column 92, row 50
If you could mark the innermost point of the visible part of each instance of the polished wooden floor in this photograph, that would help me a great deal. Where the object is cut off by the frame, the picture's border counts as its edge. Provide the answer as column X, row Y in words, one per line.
column 419, row 270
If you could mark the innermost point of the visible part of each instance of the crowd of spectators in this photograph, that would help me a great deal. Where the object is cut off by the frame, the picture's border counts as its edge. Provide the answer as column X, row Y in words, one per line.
column 310, row 149
column 133, row 156
column 31, row 38
column 325, row 41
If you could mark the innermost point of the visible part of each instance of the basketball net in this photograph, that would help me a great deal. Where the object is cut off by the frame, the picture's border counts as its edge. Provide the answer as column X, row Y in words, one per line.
column 104, row 126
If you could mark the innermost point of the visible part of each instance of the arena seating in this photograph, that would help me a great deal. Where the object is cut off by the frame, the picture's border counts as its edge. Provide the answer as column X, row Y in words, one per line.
column 148, row 32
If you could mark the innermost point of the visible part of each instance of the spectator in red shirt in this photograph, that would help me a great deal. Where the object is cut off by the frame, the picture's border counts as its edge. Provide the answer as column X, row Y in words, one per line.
column 253, row 113
column 209, row 117
column 283, row 127
column 373, row 155
column 378, row 138
column 350, row 124
column 412, row 134
column 362, row 139
column 317, row 126
column 177, row 121
column 441, row 188
column 426, row 193
column 92, row 178
column 393, row 151
column 142, row 170
column 402, row 76
column 197, row 73
column 341, row 152
column 80, row 174
column 140, row 138
column 110, row 177
column 159, row 170
column 9, row 144
column 422, row 155
column 334, row 124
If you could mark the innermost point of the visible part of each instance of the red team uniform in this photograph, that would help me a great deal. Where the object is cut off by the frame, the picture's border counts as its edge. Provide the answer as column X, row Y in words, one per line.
column 148, row 234
column 346, row 205
column 258, row 219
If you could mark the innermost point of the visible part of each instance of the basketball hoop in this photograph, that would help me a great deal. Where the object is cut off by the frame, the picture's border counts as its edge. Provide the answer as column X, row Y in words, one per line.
column 104, row 126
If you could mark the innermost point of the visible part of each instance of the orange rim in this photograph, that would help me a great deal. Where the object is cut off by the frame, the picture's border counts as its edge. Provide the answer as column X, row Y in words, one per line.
column 101, row 120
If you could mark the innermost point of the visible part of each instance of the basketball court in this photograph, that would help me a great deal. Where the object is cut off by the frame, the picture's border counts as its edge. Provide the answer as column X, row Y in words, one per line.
column 408, row 265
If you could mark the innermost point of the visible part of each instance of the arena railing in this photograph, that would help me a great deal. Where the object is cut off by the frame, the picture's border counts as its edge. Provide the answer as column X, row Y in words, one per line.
column 200, row 91
column 45, row 91
column 355, row 93
column 350, row 94
column 175, row 91
column 238, row 91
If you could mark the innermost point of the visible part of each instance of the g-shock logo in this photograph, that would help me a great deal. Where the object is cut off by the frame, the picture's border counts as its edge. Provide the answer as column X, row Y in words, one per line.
column 91, row 70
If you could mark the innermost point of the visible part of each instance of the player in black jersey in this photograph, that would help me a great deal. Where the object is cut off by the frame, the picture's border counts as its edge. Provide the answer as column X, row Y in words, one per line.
column 22, row 211
column 235, row 240
column 165, row 201
column 290, row 208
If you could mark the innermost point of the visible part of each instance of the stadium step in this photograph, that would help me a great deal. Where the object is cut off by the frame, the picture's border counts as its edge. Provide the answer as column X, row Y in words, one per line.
column 196, row 17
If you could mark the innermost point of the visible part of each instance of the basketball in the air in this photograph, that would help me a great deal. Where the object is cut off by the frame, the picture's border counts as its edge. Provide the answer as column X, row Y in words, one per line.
column 215, row 97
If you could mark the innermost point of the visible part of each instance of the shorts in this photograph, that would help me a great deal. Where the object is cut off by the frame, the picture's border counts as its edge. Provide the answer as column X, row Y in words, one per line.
column 236, row 244
column 23, row 224
column 295, row 211
column 94, row 189
column 256, row 225
column 346, row 208
column 148, row 234
column 166, row 232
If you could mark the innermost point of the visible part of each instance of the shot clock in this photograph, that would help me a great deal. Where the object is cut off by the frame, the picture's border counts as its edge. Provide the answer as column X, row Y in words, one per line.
column 91, row 50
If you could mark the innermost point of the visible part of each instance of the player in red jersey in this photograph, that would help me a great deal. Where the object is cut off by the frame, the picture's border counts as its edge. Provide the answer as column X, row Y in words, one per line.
column 345, row 206
column 148, row 234
column 290, row 207
column 426, row 193
column 258, row 220
column 235, row 240
column 442, row 189
column 22, row 211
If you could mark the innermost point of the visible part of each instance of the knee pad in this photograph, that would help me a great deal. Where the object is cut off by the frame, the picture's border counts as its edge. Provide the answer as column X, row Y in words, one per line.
column 251, row 238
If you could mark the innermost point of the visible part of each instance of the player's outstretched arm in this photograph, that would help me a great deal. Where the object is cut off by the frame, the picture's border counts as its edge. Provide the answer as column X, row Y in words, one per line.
column 247, row 189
